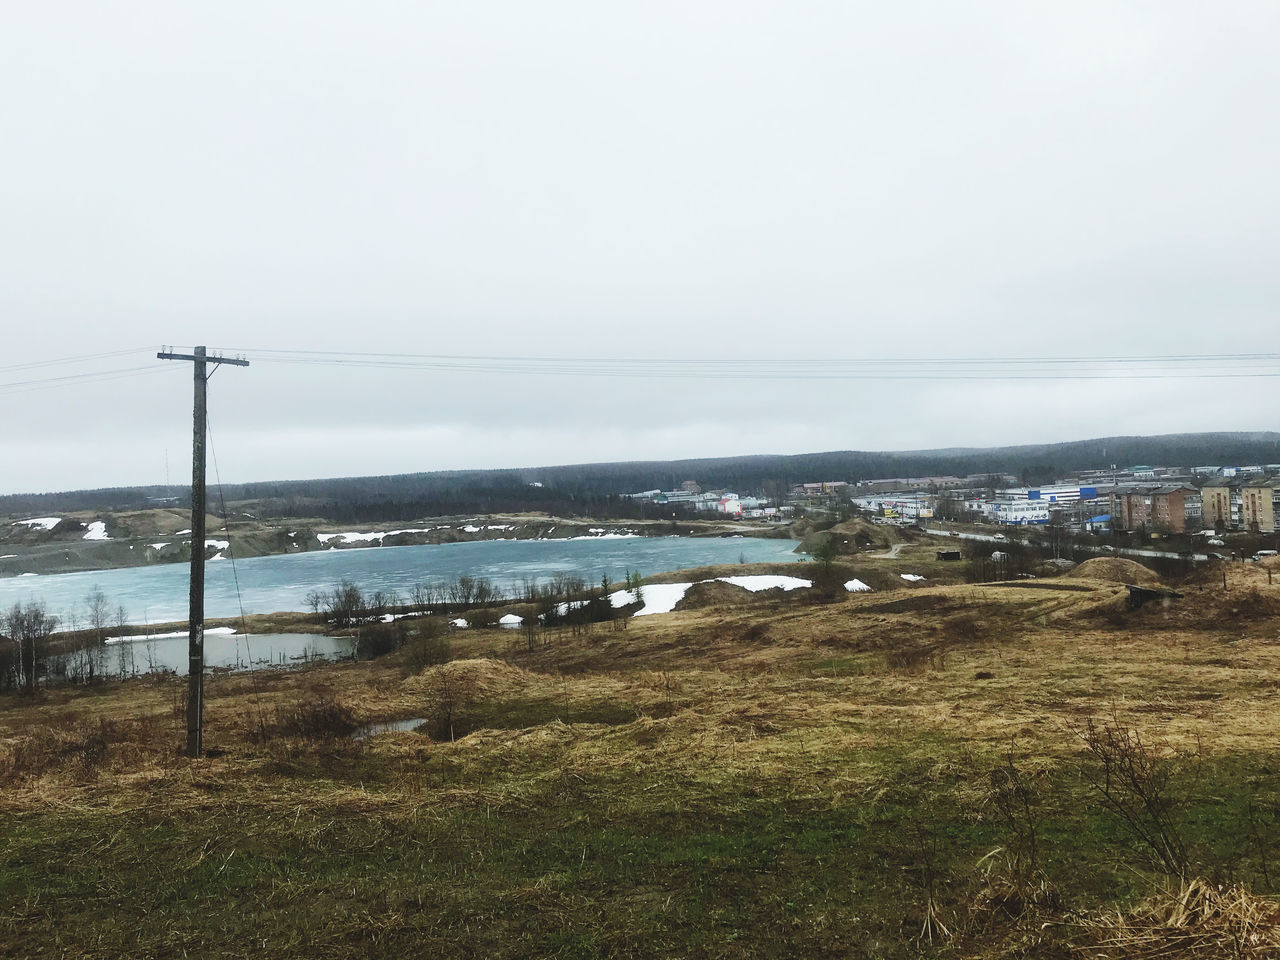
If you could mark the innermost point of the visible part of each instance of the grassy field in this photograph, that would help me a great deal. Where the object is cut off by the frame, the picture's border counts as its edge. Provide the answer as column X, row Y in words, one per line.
column 942, row 770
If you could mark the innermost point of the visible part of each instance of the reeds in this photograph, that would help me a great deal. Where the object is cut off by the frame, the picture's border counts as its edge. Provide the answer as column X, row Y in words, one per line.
column 1200, row 919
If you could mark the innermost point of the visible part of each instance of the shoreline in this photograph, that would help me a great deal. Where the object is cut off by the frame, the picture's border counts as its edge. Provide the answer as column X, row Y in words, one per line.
column 77, row 543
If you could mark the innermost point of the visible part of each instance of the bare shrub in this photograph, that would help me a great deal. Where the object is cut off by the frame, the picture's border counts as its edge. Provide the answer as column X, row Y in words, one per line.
column 916, row 659
column 379, row 639
column 428, row 646
column 86, row 748
column 483, row 617
column 1017, row 798
column 319, row 717
column 1135, row 785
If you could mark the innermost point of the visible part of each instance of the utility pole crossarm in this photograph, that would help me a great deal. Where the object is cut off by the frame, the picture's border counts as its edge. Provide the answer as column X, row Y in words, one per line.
column 195, row 659
column 234, row 361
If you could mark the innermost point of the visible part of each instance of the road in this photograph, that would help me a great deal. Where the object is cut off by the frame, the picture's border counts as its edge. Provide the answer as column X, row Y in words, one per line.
column 1082, row 548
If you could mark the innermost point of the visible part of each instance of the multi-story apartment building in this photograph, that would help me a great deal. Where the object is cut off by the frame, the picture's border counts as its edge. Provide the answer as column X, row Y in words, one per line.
column 1170, row 507
column 1258, row 505
column 1164, row 509
column 1215, row 509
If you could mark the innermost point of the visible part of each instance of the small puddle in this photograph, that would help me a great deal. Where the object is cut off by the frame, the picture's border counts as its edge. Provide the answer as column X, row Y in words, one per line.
column 389, row 726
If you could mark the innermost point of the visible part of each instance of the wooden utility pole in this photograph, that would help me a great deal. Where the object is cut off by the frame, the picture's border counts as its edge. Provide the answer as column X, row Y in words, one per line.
column 195, row 627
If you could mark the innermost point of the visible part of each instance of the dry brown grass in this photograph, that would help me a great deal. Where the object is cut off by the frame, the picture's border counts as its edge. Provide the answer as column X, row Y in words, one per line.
column 1201, row 919
column 702, row 711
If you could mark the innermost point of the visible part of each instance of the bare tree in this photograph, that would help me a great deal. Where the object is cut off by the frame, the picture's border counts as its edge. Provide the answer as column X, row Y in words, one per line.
column 345, row 604
column 422, row 596
column 120, row 620
column 98, row 612
column 29, row 625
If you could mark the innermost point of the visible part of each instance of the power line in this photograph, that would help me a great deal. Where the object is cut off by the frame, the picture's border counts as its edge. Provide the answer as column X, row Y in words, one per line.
column 344, row 354
column 33, row 364
column 1128, row 368
column 18, row 386
column 1145, row 367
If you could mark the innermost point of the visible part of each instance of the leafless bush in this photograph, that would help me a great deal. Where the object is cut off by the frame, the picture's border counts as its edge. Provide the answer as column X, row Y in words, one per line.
column 319, row 717
column 1135, row 785
column 483, row 617
column 77, row 747
column 85, row 748
column 1017, row 798
column 916, row 659
column 428, row 646
column 378, row 639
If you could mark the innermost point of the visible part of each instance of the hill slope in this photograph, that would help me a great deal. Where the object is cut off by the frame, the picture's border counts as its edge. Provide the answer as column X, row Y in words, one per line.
column 591, row 489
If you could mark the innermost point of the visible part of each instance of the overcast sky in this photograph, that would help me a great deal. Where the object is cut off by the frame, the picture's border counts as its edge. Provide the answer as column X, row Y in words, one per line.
column 705, row 180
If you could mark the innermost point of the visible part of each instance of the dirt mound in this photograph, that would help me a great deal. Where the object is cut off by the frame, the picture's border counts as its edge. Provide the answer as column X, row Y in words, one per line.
column 1253, row 604
column 1115, row 569
column 712, row 593
column 865, row 534
column 473, row 679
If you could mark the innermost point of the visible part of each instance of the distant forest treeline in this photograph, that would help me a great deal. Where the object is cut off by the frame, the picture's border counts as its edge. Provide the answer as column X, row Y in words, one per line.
column 594, row 489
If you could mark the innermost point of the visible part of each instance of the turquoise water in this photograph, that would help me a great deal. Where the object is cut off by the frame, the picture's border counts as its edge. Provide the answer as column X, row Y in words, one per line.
column 268, row 584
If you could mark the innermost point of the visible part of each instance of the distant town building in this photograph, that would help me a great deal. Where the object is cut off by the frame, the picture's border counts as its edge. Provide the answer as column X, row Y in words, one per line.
column 1216, row 503
column 1170, row 507
column 821, row 487
column 729, row 504
column 1021, row 512
column 1258, row 505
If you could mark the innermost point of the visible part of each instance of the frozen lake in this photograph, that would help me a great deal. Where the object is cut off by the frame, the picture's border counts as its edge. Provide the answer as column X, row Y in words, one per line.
column 158, row 594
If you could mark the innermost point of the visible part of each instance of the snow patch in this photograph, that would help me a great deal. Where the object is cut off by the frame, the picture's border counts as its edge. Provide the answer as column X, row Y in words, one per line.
column 217, row 544
column 350, row 536
column 44, row 523
column 181, row 532
column 658, row 597
column 856, row 586
column 141, row 638
column 767, row 582
column 355, row 536
column 663, row 597
column 97, row 531
column 913, row 577
column 511, row 620
column 157, row 546
column 459, row 623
